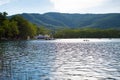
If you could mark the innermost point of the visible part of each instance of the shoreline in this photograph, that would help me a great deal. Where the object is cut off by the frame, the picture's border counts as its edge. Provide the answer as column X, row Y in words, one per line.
column 71, row 40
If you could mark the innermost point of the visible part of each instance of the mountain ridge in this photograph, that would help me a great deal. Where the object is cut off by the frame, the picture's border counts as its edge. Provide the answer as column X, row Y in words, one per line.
column 61, row 20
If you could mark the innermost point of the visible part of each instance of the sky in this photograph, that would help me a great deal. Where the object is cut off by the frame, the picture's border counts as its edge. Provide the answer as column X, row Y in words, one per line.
column 63, row 6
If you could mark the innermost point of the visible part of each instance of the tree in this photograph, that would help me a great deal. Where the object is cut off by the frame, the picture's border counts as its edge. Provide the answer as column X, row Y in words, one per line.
column 14, row 29
column 88, row 33
column 2, row 32
column 42, row 30
column 25, row 28
column 7, row 29
column 3, row 16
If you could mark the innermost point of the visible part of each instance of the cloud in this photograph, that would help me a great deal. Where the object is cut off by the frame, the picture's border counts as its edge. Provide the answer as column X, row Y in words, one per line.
column 2, row 2
column 73, row 6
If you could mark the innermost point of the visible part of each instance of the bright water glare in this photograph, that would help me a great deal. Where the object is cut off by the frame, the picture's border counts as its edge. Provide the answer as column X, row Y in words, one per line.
column 61, row 59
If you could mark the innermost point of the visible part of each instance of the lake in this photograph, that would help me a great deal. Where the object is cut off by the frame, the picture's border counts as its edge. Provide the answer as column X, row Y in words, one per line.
column 61, row 59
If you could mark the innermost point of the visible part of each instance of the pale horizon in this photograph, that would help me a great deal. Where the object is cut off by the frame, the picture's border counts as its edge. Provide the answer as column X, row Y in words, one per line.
column 61, row 6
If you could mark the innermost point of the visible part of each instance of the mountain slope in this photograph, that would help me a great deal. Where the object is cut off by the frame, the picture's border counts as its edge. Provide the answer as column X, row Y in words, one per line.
column 60, row 20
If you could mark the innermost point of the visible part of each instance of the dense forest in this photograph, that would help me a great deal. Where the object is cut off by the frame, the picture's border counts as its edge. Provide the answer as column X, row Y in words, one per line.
column 87, row 33
column 61, row 20
column 17, row 27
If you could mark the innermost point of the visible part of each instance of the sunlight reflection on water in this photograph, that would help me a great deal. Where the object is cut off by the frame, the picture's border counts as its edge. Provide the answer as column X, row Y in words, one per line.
column 86, row 40
column 61, row 59
column 83, row 40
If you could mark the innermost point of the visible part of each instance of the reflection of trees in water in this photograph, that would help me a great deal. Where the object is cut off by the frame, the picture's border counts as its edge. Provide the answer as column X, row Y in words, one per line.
column 5, row 65
column 12, row 57
column 7, row 51
column 19, row 48
column 2, row 51
column 1, row 61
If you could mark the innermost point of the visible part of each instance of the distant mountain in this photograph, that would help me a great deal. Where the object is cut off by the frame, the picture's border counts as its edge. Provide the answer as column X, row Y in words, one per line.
column 60, row 20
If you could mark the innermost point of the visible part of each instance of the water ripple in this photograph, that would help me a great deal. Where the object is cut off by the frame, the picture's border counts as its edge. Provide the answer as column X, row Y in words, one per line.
column 36, row 60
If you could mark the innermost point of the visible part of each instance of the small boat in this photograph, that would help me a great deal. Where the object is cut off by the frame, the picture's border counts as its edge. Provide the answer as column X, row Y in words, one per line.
column 86, row 40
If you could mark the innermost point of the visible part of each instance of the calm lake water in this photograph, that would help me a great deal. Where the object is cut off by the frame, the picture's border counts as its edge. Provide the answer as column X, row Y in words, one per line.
column 61, row 59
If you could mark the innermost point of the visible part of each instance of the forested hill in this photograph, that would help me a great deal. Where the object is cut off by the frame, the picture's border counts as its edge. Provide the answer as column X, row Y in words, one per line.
column 59, row 20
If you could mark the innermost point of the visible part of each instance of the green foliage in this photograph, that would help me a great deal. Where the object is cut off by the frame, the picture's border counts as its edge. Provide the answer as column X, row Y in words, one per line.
column 16, row 27
column 60, row 20
column 2, row 17
column 87, row 33
column 2, row 32
column 25, row 28
column 42, row 30
column 7, row 28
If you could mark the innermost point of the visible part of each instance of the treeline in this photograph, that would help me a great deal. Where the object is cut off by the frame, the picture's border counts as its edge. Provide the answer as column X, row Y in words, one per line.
column 16, row 27
column 87, row 33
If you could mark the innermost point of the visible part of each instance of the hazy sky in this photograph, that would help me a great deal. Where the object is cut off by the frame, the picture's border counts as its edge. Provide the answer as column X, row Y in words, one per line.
column 63, row 6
